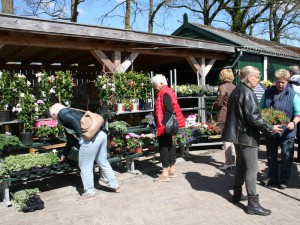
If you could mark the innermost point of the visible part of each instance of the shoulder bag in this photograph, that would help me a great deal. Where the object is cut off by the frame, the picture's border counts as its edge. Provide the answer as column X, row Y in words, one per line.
column 172, row 125
column 90, row 124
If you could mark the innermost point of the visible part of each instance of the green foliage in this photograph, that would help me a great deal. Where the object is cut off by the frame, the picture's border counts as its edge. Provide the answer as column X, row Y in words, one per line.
column 64, row 84
column 73, row 154
column 9, row 141
column 46, row 131
column 274, row 117
column 133, row 141
column 118, row 126
column 6, row 89
column 46, row 88
column 21, row 197
column 183, row 136
column 26, row 109
column 14, row 163
column 117, row 142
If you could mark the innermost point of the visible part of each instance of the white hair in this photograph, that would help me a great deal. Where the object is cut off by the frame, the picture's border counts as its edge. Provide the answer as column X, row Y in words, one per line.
column 159, row 79
column 54, row 109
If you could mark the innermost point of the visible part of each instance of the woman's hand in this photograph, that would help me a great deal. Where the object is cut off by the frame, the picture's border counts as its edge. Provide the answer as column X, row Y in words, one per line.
column 277, row 129
column 291, row 125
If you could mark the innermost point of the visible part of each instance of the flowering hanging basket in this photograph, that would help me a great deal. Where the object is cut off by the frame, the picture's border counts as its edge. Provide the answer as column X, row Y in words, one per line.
column 274, row 117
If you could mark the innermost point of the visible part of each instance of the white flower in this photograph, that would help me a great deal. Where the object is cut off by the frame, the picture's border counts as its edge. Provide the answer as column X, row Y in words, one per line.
column 38, row 74
column 52, row 90
column 22, row 95
column 28, row 83
column 36, row 109
column 15, row 89
column 0, row 74
column 43, row 94
column 112, row 89
column 104, row 86
column 39, row 79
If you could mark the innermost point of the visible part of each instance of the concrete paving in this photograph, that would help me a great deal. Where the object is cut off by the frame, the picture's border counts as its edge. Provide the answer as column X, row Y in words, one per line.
column 201, row 194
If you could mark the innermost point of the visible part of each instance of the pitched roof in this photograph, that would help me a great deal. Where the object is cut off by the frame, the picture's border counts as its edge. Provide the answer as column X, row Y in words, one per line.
column 244, row 42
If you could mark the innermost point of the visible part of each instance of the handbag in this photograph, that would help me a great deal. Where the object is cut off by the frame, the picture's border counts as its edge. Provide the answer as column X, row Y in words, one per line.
column 172, row 125
column 90, row 124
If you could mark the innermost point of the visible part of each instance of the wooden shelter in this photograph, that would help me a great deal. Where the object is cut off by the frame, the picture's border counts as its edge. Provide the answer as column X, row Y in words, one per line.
column 29, row 44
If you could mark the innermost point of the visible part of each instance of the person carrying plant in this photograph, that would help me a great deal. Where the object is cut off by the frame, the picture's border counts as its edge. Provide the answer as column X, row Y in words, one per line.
column 166, row 104
column 89, row 151
column 281, row 97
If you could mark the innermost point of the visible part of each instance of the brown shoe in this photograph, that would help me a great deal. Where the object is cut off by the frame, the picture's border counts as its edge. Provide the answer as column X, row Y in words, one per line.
column 162, row 178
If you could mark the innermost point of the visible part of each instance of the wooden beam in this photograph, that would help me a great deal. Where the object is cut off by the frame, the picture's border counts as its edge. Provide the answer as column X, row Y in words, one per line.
column 116, row 58
column 103, row 59
column 125, row 65
column 108, row 46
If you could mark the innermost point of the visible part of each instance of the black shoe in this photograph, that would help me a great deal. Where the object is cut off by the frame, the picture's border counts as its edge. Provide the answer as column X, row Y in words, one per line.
column 282, row 185
column 255, row 208
column 268, row 182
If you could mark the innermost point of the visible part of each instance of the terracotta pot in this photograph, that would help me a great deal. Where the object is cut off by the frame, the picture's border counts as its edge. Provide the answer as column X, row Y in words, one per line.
column 139, row 150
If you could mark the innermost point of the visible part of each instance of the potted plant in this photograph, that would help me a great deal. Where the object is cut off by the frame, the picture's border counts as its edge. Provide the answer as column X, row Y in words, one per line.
column 26, row 109
column 106, row 89
column 132, row 142
column 117, row 127
column 63, row 84
column 6, row 95
column 28, row 200
column 46, row 89
column 117, row 143
column 148, row 121
column 211, row 90
column 46, row 133
column 17, row 165
column 274, row 117
column 8, row 142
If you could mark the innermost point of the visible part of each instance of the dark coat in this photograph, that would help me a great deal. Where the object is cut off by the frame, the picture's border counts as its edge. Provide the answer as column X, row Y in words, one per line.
column 243, row 120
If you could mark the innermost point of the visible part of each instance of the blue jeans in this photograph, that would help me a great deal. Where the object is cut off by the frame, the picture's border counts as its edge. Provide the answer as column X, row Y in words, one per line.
column 287, row 155
column 89, row 152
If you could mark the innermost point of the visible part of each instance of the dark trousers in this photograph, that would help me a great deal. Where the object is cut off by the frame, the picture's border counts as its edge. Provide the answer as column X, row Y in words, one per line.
column 166, row 150
column 287, row 155
column 246, row 167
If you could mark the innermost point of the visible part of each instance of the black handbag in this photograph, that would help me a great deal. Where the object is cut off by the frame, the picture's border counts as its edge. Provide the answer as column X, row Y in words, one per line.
column 172, row 125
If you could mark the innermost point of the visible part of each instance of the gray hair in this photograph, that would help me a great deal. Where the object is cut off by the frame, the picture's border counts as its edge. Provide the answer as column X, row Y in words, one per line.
column 247, row 70
column 159, row 79
column 54, row 109
column 294, row 70
column 283, row 73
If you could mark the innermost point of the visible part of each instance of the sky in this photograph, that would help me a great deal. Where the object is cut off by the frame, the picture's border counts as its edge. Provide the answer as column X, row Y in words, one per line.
column 91, row 10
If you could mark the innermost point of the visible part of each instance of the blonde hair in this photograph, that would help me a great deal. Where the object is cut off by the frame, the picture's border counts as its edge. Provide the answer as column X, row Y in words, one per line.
column 54, row 109
column 226, row 75
column 282, row 73
column 247, row 70
column 159, row 79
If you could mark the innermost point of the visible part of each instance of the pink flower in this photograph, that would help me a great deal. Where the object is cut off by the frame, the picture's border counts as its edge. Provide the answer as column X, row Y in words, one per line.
column 127, row 136
column 39, row 101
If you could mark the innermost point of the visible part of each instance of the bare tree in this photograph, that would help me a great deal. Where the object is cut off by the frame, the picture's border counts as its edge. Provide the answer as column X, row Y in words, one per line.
column 205, row 10
column 284, row 18
column 56, row 9
column 7, row 6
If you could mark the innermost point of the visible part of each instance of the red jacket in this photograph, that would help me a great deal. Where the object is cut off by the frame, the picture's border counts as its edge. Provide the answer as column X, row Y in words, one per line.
column 160, row 109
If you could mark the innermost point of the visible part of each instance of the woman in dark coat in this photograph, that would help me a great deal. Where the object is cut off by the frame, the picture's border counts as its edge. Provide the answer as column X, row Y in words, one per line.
column 242, row 126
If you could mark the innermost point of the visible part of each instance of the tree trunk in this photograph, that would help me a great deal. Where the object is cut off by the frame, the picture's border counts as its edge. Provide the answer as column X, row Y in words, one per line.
column 127, row 14
column 7, row 6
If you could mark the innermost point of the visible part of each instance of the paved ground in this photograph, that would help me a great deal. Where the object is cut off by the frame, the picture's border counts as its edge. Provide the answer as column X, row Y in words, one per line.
column 199, row 195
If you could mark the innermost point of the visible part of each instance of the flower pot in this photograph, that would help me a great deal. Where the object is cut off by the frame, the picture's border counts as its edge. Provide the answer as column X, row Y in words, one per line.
column 148, row 105
column 134, row 106
column 120, row 107
column 27, row 138
column 139, row 150
column 4, row 116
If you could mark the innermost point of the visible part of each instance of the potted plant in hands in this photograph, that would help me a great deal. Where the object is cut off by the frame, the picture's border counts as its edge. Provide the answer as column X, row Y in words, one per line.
column 8, row 142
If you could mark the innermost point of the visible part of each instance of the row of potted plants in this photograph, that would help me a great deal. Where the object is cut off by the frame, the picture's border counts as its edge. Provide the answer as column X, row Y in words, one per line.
column 28, row 102
column 28, row 200
column 195, row 90
column 124, row 88
column 195, row 133
column 24, row 165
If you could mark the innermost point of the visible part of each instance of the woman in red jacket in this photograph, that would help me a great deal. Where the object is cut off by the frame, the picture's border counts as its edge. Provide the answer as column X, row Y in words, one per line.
column 166, row 103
